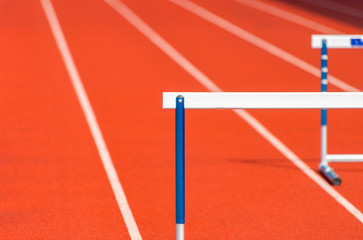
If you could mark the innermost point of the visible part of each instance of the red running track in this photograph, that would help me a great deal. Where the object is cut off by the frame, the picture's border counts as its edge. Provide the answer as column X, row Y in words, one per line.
column 238, row 185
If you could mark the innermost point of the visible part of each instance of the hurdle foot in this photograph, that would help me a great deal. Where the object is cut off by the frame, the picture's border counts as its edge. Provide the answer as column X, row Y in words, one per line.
column 179, row 231
column 330, row 175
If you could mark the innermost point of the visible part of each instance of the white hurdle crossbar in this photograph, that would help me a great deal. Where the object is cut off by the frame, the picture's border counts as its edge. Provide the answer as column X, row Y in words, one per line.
column 337, row 41
column 324, row 42
column 234, row 100
column 265, row 100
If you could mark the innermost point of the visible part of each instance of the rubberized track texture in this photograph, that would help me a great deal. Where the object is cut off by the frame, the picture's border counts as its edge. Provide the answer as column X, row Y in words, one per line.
column 58, row 183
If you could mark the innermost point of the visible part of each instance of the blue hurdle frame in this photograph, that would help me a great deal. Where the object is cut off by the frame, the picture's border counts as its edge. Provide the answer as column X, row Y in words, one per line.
column 324, row 167
column 180, row 167
column 349, row 41
column 222, row 100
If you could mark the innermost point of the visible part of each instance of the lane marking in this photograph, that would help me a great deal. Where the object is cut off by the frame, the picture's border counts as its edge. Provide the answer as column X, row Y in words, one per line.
column 184, row 63
column 291, row 17
column 337, row 7
column 259, row 42
column 155, row 38
column 91, row 120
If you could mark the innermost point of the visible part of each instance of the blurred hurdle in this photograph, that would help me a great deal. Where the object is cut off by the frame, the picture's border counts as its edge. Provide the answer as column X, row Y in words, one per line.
column 324, row 42
column 228, row 100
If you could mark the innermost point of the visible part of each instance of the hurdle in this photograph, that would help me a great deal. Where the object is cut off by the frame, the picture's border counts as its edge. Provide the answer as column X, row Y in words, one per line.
column 324, row 42
column 235, row 100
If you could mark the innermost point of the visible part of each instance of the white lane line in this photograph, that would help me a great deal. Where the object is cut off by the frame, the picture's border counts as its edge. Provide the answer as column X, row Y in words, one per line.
column 91, row 120
column 155, row 38
column 291, row 17
column 184, row 63
column 336, row 7
column 259, row 42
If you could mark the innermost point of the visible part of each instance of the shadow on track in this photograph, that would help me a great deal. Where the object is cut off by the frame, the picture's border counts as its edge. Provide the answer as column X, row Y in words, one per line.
column 272, row 163
column 284, row 164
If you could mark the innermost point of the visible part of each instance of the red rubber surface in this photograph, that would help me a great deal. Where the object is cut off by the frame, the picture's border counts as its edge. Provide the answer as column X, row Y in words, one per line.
column 53, row 185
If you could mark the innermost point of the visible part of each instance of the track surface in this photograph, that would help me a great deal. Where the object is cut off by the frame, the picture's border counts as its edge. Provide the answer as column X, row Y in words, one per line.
column 238, row 186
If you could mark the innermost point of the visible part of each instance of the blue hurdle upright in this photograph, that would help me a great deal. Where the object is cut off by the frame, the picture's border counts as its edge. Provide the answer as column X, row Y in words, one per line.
column 223, row 100
column 324, row 42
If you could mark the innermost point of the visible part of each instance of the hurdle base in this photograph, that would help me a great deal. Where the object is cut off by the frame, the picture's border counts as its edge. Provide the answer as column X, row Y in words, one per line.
column 330, row 175
column 344, row 157
column 179, row 231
